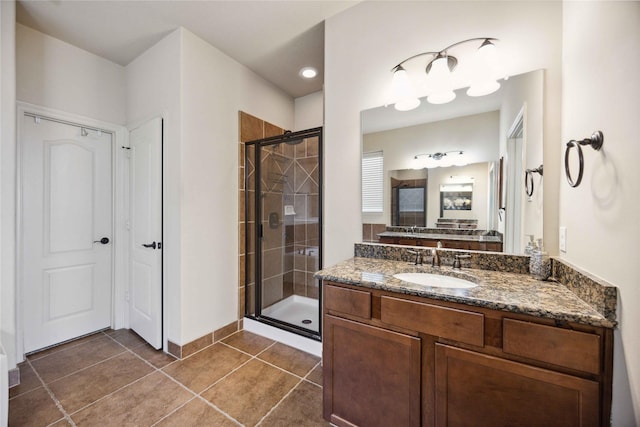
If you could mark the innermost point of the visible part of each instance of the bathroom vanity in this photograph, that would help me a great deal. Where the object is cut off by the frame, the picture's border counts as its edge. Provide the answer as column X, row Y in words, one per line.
column 509, row 351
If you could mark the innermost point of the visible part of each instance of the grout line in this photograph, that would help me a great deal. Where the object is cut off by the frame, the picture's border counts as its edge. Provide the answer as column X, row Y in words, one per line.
column 86, row 367
column 279, row 402
column 64, row 343
column 155, row 369
column 175, row 410
column 65, row 415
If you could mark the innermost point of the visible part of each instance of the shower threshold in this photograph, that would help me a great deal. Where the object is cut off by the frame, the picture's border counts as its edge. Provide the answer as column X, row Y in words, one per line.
column 289, row 338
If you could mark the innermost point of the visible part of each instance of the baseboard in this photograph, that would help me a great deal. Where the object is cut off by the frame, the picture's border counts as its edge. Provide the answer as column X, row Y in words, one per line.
column 182, row 351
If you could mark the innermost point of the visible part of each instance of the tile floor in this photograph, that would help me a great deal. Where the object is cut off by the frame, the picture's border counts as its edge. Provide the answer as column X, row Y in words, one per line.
column 114, row 378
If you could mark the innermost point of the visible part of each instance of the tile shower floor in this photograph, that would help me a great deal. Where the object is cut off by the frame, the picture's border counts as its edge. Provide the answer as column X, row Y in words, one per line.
column 114, row 378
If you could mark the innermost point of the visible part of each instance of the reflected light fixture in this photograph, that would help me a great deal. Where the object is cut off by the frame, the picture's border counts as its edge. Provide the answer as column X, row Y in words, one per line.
column 439, row 75
column 439, row 159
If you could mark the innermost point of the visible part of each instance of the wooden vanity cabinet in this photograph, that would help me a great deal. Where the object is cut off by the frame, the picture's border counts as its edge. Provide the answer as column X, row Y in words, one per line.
column 393, row 359
column 372, row 375
column 474, row 389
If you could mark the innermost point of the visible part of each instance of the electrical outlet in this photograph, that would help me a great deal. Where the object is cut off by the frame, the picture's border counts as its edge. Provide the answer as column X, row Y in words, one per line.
column 563, row 239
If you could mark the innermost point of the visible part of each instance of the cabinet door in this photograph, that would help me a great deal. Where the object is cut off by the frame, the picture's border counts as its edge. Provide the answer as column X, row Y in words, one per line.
column 473, row 389
column 371, row 375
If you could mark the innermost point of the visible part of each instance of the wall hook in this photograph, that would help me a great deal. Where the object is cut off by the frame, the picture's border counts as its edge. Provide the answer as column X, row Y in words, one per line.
column 595, row 141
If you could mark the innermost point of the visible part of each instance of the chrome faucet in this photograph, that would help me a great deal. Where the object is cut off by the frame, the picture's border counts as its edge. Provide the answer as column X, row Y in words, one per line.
column 435, row 258
column 457, row 258
column 418, row 255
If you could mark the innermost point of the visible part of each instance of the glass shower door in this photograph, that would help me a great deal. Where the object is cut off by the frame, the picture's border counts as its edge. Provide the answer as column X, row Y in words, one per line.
column 288, row 228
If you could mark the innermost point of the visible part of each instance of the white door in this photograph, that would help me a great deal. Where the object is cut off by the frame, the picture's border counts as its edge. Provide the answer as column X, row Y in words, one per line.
column 515, row 186
column 66, row 261
column 146, row 231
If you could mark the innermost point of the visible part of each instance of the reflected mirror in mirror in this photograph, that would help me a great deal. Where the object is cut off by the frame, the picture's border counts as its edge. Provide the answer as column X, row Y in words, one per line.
column 430, row 151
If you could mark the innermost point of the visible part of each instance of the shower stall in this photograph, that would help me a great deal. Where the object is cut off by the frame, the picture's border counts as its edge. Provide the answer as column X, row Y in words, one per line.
column 283, row 231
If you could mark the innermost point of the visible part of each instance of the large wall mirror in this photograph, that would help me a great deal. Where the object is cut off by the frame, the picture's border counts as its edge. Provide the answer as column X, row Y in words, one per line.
column 487, row 143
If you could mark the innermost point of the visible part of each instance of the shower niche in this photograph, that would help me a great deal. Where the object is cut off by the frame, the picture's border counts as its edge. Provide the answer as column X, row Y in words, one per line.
column 283, row 231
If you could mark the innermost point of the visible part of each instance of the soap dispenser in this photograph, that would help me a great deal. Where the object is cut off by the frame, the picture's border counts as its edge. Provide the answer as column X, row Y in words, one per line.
column 540, row 263
column 531, row 246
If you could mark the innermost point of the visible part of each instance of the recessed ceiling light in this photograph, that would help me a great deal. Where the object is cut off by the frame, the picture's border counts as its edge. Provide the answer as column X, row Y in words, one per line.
column 308, row 72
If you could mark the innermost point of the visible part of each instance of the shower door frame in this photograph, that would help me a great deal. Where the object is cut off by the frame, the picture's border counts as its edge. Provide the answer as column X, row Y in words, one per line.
column 257, row 146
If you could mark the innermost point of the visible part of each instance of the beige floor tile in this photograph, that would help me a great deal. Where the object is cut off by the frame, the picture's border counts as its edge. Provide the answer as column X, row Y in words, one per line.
column 157, row 358
column 290, row 359
column 303, row 407
column 315, row 376
column 28, row 381
column 127, row 338
column 67, row 361
column 197, row 414
column 202, row 369
column 251, row 391
column 84, row 387
column 248, row 342
column 34, row 408
column 140, row 404
column 64, row 346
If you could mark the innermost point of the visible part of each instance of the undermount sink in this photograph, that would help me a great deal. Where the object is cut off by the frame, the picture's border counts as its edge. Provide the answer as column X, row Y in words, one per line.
column 435, row 280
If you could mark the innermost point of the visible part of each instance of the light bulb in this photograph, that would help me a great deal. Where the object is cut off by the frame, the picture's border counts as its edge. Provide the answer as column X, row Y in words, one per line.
column 484, row 79
column 403, row 91
column 439, row 77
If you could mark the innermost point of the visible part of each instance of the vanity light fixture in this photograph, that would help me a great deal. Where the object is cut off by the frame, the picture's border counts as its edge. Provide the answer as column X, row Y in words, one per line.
column 439, row 159
column 439, row 71
column 308, row 72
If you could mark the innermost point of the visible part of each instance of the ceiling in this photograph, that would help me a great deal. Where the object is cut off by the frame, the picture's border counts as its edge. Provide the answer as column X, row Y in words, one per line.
column 275, row 39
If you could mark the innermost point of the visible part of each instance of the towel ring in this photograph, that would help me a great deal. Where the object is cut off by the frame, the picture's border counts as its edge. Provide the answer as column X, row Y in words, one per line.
column 595, row 141
column 528, row 179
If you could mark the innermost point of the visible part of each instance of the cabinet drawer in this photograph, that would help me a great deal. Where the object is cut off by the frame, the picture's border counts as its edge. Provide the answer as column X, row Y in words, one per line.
column 347, row 301
column 459, row 325
column 562, row 347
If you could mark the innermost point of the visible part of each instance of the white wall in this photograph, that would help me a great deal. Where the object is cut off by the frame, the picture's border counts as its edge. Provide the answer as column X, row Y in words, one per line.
column 309, row 111
column 55, row 74
column 214, row 88
column 601, row 91
column 358, row 59
column 199, row 91
column 7, row 181
column 476, row 135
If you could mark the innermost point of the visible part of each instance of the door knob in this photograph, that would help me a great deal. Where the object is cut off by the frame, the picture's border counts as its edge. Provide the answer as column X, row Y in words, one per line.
column 149, row 245
column 104, row 240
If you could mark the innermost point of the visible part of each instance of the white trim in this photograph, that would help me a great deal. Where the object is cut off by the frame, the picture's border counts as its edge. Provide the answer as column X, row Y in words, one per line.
column 293, row 340
column 119, row 279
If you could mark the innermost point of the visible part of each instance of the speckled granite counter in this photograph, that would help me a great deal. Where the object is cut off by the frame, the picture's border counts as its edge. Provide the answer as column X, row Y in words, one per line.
column 498, row 290
column 442, row 236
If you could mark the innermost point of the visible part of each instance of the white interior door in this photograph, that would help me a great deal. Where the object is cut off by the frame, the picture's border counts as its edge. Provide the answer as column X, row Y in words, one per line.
column 146, row 232
column 66, row 261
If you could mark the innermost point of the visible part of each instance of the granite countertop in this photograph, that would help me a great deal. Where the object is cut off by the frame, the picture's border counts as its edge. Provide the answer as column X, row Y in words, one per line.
column 512, row 292
column 435, row 236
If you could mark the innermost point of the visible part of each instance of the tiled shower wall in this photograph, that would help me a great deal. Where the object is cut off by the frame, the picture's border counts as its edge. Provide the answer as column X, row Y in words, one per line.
column 251, row 129
column 290, row 176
